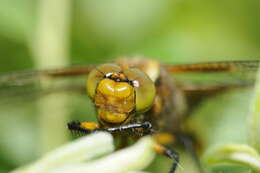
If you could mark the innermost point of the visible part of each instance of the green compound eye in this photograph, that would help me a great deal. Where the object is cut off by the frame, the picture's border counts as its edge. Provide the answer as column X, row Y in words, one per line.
column 98, row 74
column 144, row 89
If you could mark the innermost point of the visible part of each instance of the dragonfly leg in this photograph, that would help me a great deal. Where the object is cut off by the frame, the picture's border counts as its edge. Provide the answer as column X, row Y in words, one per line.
column 187, row 142
column 169, row 153
column 146, row 126
column 89, row 127
column 83, row 127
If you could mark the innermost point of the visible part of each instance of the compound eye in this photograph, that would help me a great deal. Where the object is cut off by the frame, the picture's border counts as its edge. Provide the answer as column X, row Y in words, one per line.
column 144, row 89
column 97, row 74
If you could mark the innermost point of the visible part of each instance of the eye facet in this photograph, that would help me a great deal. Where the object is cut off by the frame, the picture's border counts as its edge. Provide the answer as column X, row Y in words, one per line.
column 98, row 74
column 144, row 89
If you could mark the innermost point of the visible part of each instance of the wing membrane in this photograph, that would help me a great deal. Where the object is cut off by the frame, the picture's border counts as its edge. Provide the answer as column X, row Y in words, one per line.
column 215, row 75
column 32, row 84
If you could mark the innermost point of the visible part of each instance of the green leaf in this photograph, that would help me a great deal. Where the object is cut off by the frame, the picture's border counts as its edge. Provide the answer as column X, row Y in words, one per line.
column 254, row 121
column 133, row 158
column 85, row 148
column 221, row 125
column 72, row 157
column 233, row 153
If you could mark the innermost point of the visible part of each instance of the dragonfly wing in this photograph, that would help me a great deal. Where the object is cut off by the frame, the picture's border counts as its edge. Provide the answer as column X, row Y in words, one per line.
column 215, row 75
column 33, row 84
column 202, row 80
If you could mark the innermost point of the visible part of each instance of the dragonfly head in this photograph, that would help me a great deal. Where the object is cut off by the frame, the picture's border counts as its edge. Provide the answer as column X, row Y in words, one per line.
column 119, row 93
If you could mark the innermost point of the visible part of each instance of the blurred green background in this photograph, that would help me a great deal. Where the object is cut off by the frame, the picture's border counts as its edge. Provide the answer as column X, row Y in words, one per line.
column 176, row 31
column 45, row 34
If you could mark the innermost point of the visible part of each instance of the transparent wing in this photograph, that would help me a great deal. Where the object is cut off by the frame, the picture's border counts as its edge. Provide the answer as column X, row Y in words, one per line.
column 215, row 75
column 202, row 80
column 33, row 84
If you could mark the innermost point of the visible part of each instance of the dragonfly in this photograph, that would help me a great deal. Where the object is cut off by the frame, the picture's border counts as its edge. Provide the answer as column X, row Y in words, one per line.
column 134, row 97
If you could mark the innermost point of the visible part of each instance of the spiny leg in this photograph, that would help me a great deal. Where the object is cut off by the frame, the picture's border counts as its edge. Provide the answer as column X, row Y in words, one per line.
column 165, row 139
column 89, row 127
column 169, row 153
column 145, row 126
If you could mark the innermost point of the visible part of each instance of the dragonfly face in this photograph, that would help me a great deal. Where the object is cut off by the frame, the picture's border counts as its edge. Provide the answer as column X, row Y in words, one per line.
column 119, row 93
